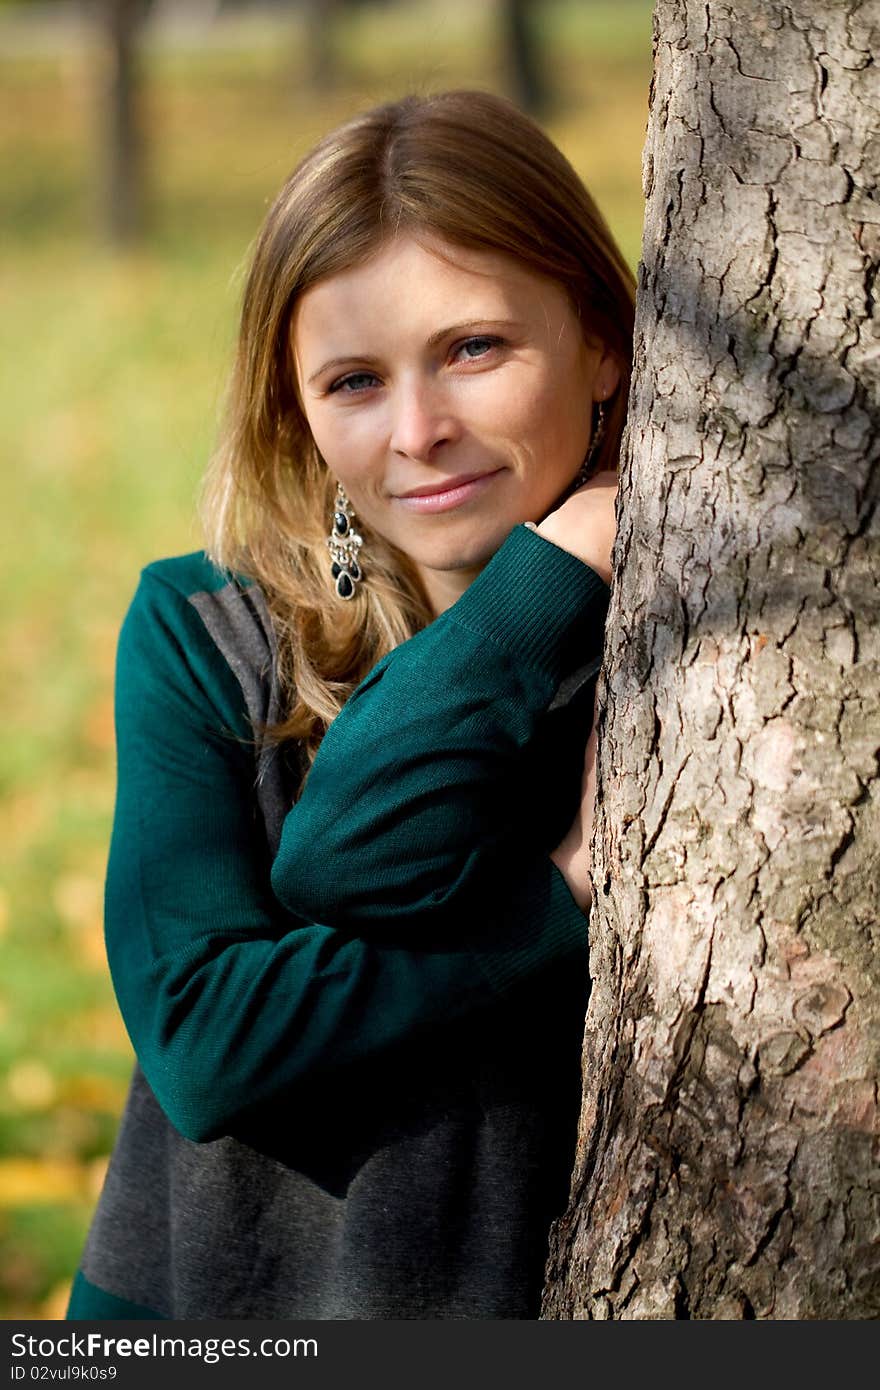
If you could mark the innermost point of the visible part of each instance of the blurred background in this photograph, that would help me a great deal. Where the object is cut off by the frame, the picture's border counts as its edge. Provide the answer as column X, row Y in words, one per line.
column 140, row 144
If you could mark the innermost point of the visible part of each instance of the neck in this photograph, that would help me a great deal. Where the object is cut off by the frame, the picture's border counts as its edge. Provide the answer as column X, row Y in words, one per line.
column 443, row 587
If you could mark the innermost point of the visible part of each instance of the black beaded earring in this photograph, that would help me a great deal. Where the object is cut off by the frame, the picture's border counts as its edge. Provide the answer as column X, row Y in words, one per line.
column 588, row 464
column 344, row 544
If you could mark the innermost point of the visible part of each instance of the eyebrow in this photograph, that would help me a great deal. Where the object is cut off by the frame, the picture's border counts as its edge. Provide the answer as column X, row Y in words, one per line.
column 434, row 339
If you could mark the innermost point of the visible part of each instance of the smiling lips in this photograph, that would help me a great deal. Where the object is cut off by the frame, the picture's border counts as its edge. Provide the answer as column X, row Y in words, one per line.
column 449, row 492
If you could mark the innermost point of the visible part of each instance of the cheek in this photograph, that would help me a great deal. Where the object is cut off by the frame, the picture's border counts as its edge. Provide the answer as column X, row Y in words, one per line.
column 507, row 408
column 345, row 447
column 567, row 409
column 546, row 417
column 343, row 443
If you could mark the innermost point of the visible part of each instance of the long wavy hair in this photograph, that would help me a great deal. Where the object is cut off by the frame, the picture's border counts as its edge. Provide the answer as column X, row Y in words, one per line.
column 464, row 165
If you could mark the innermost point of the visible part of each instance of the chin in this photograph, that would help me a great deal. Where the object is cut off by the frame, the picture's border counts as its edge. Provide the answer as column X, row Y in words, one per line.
column 473, row 548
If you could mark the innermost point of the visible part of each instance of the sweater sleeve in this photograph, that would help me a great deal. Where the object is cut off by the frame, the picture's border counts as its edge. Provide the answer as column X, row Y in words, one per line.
column 416, row 794
column 231, row 992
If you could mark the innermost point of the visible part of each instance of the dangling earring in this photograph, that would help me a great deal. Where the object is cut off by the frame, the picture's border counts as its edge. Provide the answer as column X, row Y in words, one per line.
column 344, row 544
column 586, row 467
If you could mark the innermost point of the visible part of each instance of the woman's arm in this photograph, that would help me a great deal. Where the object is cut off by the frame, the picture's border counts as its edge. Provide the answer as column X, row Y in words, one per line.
column 586, row 526
column 228, row 997
column 415, row 792
column 573, row 856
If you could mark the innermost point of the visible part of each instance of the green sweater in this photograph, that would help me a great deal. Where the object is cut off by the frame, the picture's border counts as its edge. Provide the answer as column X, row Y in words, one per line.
column 385, row 943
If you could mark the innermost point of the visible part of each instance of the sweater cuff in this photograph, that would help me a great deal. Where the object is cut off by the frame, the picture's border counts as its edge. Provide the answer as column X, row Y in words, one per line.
column 549, row 926
column 538, row 601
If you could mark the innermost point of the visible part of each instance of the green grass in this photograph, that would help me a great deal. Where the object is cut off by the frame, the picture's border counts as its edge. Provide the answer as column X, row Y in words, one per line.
column 113, row 369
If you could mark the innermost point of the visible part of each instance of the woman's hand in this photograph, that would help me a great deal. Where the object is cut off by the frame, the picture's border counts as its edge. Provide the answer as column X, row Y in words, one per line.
column 572, row 855
column 586, row 523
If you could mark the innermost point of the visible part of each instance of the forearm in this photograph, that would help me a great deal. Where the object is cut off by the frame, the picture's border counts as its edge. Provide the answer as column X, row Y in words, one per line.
column 230, row 1000
column 229, row 1020
column 417, row 783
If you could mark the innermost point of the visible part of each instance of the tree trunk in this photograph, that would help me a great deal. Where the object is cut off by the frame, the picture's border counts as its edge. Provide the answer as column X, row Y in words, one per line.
column 123, row 149
column 728, row 1144
column 523, row 53
column 322, row 70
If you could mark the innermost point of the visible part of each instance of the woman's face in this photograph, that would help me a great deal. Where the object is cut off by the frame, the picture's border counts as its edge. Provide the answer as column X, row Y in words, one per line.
column 456, row 374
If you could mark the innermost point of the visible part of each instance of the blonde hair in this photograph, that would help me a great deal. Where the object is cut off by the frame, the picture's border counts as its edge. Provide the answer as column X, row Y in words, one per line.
column 464, row 165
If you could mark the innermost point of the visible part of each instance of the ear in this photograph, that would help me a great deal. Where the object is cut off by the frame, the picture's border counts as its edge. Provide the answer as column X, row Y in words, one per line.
column 607, row 378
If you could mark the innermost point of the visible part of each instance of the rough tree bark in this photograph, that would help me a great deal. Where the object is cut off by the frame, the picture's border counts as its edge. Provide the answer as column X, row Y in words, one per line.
column 727, row 1156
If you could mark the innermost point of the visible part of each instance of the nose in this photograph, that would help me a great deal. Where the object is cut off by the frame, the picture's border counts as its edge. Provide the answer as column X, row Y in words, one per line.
column 422, row 419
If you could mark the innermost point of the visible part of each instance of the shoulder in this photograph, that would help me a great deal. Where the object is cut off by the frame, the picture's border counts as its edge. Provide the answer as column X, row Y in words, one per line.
column 197, row 626
column 164, row 607
column 192, row 593
column 190, row 575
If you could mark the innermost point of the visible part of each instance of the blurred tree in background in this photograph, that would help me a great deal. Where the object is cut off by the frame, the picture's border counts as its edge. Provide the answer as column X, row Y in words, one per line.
column 113, row 374
column 120, row 133
column 520, row 31
column 119, row 124
column 320, row 17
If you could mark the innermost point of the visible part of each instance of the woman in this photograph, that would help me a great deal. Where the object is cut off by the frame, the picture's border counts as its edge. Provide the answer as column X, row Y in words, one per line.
column 348, row 877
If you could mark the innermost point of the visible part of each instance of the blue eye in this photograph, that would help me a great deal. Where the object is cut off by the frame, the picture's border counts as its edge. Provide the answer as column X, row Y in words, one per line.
column 350, row 383
column 482, row 346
